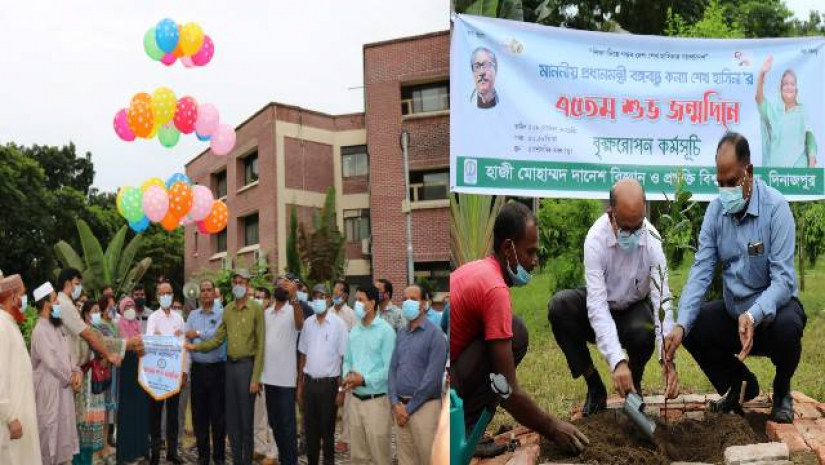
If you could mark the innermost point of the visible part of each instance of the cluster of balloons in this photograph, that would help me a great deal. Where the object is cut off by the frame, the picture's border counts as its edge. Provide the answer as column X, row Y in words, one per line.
column 167, row 42
column 163, row 115
column 173, row 203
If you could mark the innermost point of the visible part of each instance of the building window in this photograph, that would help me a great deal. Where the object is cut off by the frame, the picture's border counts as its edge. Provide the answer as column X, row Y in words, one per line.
column 220, row 184
column 434, row 275
column 250, row 229
column 250, row 168
column 355, row 161
column 425, row 98
column 357, row 224
column 220, row 241
column 429, row 185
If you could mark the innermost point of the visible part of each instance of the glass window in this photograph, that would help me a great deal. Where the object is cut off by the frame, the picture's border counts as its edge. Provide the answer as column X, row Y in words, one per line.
column 250, row 168
column 429, row 185
column 425, row 98
column 220, row 241
column 435, row 275
column 355, row 161
column 220, row 184
column 250, row 227
column 356, row 224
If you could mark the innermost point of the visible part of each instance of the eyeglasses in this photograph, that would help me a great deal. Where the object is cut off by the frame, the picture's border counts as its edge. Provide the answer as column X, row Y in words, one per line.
column 486, row 66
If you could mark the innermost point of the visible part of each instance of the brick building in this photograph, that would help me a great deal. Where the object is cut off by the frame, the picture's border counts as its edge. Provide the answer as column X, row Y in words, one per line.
column 287, row 156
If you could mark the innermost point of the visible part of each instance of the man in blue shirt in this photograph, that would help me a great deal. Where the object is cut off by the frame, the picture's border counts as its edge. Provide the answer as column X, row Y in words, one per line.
column 208, row 377
column 749, row 231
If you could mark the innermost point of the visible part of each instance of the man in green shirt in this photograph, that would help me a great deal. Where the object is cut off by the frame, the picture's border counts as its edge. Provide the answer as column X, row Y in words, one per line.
column 243, row 329
column 366, row 374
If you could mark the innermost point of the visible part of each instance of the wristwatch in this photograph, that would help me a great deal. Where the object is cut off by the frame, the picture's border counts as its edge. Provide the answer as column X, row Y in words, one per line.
column 750, row 316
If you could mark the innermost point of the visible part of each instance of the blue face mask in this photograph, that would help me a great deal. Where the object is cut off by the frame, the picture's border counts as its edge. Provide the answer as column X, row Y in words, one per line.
column 96, row 319
column 628, row 241
column 55, row 311
column 302, row 296
column 239, row 291
column 165, row 301
column 521, row 277
column 411, row 309
column 732, row 199
column 77, row 291
column 337, row 301
column 319, row 306
column 360, row 311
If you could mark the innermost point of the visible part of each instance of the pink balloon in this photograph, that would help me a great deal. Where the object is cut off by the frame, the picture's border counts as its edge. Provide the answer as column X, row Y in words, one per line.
column 122, row 128
column 155, row 203
column 223, row 139
column 168, row 59
column 186, row 220
column 204, row 55
column 186, row 114
column 208, row 119
column 202, row 200
column 187, row 62
column 202, row 227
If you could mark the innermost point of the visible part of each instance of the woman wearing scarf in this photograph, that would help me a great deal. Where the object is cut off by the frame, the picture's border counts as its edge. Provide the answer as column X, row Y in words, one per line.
column 133, row 417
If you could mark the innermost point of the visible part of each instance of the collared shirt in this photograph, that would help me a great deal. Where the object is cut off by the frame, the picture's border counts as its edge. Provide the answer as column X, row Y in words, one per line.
column 72, row 326
column 243, row 330
column 616, row 279
column 785, row 140
column 346, row 314
column 323, row 344
column 392, row 315
column 165, row 324
column 434, row 316
column 417, row 365
column 206, row 324
column 369, row 352
column 758, row 281
column 280, row 366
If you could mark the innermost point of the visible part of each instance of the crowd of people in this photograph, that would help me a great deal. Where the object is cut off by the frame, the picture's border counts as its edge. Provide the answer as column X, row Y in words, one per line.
column 254, row 362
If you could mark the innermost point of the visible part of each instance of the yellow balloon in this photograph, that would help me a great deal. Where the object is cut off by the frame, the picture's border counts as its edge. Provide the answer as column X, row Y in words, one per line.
column 153, row 133
column 117, row 201
column 152, row 182
column 163, row 105
column 191, row 39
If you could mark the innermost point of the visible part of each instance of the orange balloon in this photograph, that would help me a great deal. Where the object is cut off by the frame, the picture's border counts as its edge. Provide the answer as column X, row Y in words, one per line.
column 216, row 221
column 170, row 222
column 180, row 199
column 139, row 115
column 178, row 51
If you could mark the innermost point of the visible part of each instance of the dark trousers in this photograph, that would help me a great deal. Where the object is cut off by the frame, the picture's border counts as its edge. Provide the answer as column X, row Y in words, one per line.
column 567, row 312
column 319, row 417
column 714, row 343
column 155, row 415
column 470, row 374
column 208, row 412
column 240, row 408
column 280, row 409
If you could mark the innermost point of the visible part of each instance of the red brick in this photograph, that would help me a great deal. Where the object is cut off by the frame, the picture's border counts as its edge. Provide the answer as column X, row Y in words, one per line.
column 530, row 439
column 813, row 433
column 502, row 459
column 526, row 455
column 695, row 407
column 671, row 414
column 820, row 454
column 801, row 397
column 821, row 408
column 788, row 434
column 806, row 410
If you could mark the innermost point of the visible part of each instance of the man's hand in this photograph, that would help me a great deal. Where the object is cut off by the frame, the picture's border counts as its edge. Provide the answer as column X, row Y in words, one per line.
column 339, row 399
column 299, row 394
column 745, row 336
column 401, row 415
column 183, row 380
column 15, row 429
column 77, row 380
column 673, row 341
column 568, row 437
column 623, row 379
column 254, row 388
column 157, row 333
column 178, row 333
column 766, row 66
column 190, row 347
column 355, row 380
column 191, row 334
column 114, row 359
column 671, row 380
column 135, row 344
column 292, row 288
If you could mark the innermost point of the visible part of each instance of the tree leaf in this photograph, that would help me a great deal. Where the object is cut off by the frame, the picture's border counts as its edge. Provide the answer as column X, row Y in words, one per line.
column 68, row 257
column 113, row 253
column 127, row 257
column 95, row 274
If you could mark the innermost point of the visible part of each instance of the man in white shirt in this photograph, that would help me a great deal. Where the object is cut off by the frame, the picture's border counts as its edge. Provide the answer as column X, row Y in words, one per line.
column 624, row 265
column 165, row 322
column 322, row 347
column 340, row 308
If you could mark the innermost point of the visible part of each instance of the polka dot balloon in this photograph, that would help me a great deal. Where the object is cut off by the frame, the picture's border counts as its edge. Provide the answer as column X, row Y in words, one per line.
column 216, row 221
column 139, row 115
column 186, row 115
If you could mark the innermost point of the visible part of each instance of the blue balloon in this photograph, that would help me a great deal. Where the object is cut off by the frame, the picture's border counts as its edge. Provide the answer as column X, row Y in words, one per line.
column 203, row 138
column 140, row 225
column 177, row 177
column 167, row 35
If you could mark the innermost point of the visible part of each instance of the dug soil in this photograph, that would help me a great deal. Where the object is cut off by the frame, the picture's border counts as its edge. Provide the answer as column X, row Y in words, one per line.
column 614, row 440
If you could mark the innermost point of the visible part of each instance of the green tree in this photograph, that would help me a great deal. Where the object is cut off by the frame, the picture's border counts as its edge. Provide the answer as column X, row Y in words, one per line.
column 564, row 225
column 322, row 247
column 165, row 250
column 471, row 226
column 713, row 24
column 293, row 258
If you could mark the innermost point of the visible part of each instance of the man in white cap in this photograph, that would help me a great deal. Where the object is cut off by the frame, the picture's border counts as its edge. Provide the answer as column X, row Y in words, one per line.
column 19, row 439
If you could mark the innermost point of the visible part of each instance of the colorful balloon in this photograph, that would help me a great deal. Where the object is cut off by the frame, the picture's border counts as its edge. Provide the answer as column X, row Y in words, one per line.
column 152, row 182
column 150, row 45
column 208, row 119
column 202, row 200
column 217, row 219
column 180, row 199
column 155, row 203
column 170, row 222
column 191, row 39
column 178, row 51
column 167, row 35
column 168, row 59
column 202, row 138
column 202, row 227
column 139, row 116
column 140, row 225
column 178, row 177
column 132, row 203
column 204, row 55
column 164, row 104
column 118, row 202
column 168, row 135
column 121, row 124
column 223, row 139
column 187, row 62
column 186, row 114
column 186, row 220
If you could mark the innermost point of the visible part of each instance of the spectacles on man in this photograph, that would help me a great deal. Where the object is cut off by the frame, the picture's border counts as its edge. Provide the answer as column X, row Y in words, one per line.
column 485, row 65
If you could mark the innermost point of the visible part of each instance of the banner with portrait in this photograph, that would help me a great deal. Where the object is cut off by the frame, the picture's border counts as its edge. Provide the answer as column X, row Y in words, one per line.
column 161, row 368
column 541, row 111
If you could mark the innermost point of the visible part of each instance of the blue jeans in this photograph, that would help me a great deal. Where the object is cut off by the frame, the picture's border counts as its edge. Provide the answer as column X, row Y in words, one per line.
column 280, row 408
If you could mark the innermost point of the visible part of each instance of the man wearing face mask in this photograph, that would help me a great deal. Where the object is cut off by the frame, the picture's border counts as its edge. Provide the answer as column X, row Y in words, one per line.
column 485, row 336
column 340, row 308
column 243, row 330
column 141, row 316
column 386, row 309
column 749, row 231
column 622, row 255
column 414, row 384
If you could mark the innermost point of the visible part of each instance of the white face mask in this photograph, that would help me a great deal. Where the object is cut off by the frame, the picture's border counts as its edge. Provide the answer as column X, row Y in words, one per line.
column 129, row 314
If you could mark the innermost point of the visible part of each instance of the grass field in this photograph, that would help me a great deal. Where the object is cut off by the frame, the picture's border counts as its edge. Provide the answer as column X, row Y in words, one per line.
column 544, row 373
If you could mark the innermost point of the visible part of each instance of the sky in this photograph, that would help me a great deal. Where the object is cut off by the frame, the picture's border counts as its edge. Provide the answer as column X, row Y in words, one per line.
column 67, row 67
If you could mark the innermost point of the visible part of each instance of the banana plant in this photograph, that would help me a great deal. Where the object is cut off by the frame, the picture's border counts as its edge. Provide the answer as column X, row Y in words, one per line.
column 114, row 267
column 471, row 228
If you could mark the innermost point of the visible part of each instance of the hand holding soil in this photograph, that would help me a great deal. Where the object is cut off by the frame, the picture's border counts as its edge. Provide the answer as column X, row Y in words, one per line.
column 569, row 438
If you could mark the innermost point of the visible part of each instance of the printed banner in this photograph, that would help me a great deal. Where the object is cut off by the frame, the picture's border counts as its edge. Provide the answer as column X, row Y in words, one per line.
column 548, row 112
column 162, row 365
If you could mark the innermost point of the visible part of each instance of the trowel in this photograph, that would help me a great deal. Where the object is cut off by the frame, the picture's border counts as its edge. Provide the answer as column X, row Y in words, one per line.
column 634, row 408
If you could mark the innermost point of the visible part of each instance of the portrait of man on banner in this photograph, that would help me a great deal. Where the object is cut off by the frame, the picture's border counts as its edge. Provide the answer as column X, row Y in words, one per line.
column 485, row 68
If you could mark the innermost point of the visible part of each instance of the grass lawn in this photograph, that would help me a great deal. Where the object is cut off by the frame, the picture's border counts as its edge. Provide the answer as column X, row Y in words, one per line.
column 544, row 373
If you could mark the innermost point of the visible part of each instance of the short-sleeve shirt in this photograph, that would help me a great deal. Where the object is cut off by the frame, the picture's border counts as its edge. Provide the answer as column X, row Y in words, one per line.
column 280, row 364
column 72, row 326
column 480, row 305
column 324, row 345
